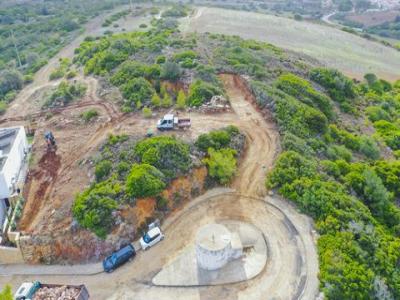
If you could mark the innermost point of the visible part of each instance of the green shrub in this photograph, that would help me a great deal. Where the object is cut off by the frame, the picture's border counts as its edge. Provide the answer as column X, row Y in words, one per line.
column 155, row 100
column 221, row 164
column 376, row 113
column 144, row 180
column 57, row 74
column 3, row 107
column 166, row 101
column 369, row 148
column 181, row 100
column 65, row 93
column 389, row 132
column 216, row 139
column 143, row 25
column 93, row 208
column 289, row 167
column 88, row 115
column 147, row 113
column 302, row 90
column 171, row 71
column 200, row 92
column 71, row 74
column 6, row 293
column 169, row 155
column 339, row 87
column 337, row 152
column 137, row 90
column 103, row 169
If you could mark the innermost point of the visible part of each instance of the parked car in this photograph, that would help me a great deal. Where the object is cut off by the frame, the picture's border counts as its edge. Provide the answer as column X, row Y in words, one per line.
column 118, row 258
column 152, row 237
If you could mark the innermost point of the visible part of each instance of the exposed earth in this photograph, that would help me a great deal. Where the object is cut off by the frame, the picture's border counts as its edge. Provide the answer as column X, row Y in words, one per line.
column 292, row 268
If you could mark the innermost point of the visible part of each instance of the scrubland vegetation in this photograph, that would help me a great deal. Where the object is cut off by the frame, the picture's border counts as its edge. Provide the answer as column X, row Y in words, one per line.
column 333, row 168
column 337, row 174
column 32, row 32
column 127, row 169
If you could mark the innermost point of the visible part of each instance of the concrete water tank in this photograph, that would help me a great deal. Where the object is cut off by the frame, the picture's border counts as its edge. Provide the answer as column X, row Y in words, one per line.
column 213, row 246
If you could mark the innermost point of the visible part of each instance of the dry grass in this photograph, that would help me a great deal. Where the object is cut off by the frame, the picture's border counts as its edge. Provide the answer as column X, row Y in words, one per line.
column 374, row 17
column 349, row 53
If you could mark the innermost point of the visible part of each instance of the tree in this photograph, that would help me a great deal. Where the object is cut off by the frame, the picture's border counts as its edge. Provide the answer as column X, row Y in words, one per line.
column 6, row 293
column 155, row 100
column 144, row 180
column 181, row 100
column 221, row 164
column 171, row 71
column 10, row 80
column 93, row 208
column 166, row 101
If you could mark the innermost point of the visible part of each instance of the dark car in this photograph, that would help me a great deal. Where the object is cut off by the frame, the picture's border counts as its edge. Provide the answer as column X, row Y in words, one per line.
column 118, row 258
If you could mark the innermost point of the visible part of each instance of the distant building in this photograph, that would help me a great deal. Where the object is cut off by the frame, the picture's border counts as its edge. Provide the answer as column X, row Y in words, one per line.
column 13, row 150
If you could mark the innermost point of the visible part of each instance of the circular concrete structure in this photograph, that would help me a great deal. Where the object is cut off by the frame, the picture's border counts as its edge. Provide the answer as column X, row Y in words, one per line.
column 213, row 246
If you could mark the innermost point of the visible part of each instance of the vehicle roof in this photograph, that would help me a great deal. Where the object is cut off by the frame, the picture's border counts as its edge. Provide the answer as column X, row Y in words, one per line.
column 169, row 117
column 154, row 231
column 24, row 289
column 124, row 250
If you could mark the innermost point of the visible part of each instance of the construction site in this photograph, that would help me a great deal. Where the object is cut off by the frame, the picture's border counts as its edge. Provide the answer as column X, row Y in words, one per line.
column 267, row 247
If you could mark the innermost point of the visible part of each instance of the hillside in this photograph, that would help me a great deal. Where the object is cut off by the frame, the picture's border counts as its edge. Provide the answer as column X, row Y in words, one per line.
column 334, row 165
column 349, row 53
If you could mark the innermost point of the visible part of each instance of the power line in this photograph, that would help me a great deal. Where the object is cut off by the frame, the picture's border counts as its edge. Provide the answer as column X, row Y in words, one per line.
column 16, row 48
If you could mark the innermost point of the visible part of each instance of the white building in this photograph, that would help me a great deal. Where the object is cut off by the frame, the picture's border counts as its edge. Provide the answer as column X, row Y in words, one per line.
column 13, row 150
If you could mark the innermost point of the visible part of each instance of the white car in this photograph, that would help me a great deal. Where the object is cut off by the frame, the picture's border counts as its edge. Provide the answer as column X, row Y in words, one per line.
column 152, row 237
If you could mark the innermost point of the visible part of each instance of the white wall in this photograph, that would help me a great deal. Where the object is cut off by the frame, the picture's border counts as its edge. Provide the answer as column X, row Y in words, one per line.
column 13, row 164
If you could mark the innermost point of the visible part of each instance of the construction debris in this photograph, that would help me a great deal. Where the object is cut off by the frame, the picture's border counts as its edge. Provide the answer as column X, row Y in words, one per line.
column 57, row 293
column 217, row 104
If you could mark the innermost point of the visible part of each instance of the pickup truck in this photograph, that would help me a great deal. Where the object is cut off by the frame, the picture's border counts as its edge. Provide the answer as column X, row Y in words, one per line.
column 42, row 291
column 169, row 122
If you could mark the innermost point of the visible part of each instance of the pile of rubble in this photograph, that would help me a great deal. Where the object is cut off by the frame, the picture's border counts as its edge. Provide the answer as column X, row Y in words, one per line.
column 57, row 293
column 215, row 105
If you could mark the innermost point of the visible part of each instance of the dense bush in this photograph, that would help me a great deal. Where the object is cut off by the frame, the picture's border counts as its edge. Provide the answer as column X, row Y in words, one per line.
column 376, row 113
column 103, row 169
column 93, row 208
column 137, row 90
column 169, row 155
column 390, row 133
column 221, row 164
column 200, row 92
column 171, row 71
column 339, row 87
column 65, row 93
column 144, row 180
column 302, row 90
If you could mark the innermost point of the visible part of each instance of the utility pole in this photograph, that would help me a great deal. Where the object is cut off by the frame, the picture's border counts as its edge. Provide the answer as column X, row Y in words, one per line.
column 16, row 48
column 130, row 2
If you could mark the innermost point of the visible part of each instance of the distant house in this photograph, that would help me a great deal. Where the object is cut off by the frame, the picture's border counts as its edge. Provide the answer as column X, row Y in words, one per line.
column 13, row 150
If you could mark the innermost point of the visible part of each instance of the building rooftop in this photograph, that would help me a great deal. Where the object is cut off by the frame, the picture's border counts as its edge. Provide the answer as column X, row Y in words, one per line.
column 7, row 138
column 213, row 237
